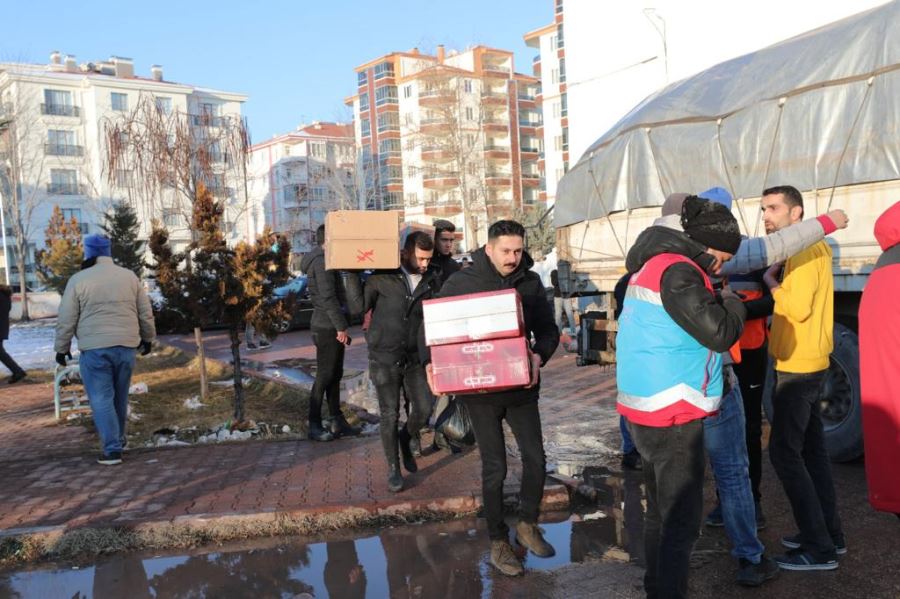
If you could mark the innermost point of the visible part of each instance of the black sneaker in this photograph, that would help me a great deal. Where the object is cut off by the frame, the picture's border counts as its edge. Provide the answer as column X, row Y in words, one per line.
column 795, row 542
column 715, row 518
column 798, row 559
column 341, row 428
column 317, row 433
column 760, row 517
column 409, row 462
column 753, row 575
column 252, row 346
column 110, row 459
column 632, row 460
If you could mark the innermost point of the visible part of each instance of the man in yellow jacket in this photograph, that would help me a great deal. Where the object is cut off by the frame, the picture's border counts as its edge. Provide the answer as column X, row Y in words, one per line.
column 800, row 344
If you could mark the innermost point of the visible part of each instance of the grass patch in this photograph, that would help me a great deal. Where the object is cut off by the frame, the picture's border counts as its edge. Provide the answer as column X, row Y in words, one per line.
column 172, row 377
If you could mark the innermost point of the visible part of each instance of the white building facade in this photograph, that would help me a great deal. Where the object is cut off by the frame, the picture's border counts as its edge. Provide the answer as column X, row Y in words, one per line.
column 53, row 124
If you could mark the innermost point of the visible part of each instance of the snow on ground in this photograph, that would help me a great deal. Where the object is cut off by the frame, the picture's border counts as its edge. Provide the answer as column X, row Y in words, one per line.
column 31, row 344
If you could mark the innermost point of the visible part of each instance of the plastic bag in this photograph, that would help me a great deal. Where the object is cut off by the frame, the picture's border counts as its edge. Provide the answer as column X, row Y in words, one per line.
column 454, row 423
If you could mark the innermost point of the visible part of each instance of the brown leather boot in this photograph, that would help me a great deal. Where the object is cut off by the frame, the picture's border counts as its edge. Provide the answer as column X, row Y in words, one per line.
column 529, row 536
column 504, row 559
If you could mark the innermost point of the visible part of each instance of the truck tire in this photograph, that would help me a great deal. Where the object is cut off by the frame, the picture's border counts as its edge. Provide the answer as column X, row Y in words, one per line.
column 840, row 398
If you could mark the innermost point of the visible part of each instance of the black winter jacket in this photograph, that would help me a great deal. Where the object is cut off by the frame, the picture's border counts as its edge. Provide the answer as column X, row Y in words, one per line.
column 328, row 294
column 712, row 320
column 539, row 321
column 5, row 307
column 396, row 314
column 446, row 264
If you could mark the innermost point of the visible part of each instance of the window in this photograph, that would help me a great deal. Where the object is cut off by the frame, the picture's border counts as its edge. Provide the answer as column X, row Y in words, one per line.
column 467, row 85
column 171, row 218
column 69, row 213
column 389, row 146
column 384, row 69
column 317, row 150
column 63, row 181
column 557, row 109
column 412, row 199
column 123, row 178
column 564, row 103
column 386, row 94
column 562, row 70
column 361, row 78
column 209, row 109
column 560, row 40
column 554, row 44
column 318, row 194
column 408, row 120
column 393, row 199
column 559, row 6
column 388, row 120
column 473, row 195
column 557, row 143
column 365, row 127
column 391, row 173
column 470, row 139
column 407, row 91
column 565, row 139
column 59, row 103
column 119, row 102
column 470, row 113
column 364, row 101
column 412, row 171
column 62, row 143
column 164, row 105
column 554, row 75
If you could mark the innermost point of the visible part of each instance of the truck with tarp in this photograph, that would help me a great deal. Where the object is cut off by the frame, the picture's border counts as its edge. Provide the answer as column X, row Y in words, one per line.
column 818, row 111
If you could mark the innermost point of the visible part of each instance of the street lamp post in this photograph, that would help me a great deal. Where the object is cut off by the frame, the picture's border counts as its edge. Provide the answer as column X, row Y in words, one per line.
column 659, row 24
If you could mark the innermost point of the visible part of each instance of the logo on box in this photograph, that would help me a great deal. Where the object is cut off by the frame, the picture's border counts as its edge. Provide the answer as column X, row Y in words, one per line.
column 478, row 348
column 365, row 255
column 480, row 381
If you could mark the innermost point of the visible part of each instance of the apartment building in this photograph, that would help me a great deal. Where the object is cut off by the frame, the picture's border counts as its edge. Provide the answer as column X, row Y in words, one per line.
column 550, row 68
column 54, row 121
column 454, row 135
column 297, row 177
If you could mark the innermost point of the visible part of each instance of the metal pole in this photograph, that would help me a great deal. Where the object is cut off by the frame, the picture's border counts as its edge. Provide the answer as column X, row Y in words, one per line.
column 4, row 125
column 656, row 20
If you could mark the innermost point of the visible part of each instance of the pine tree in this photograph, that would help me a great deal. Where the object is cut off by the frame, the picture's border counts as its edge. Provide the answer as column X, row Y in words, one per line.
column 63, row 254
column 122, row 227
column 223, row 285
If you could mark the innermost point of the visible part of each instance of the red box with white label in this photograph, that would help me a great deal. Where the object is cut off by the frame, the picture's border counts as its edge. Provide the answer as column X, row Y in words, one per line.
column 461, row 318
column 484, row 366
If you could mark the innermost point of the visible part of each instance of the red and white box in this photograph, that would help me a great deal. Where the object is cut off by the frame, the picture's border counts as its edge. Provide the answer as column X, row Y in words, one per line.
column 484, row 366
column 461, row 318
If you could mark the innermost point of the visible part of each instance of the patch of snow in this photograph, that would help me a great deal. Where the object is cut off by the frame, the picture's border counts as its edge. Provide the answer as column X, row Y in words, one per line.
column 285, row 429
column 138, row 389
column 594, row 516
column 193, row 403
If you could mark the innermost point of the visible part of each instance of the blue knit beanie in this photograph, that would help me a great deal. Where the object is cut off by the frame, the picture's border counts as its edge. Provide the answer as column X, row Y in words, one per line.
column 719, row 195
column 96, row 245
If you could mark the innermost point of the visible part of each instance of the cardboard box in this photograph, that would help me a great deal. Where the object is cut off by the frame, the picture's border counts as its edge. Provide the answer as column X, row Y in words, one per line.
column 484, row 366
column 362, row 239
column 489, row 315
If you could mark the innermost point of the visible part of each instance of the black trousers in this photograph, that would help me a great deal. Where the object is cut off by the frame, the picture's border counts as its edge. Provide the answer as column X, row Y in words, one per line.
column 673, row 462
column 525, row 422
column 8, row 361
column 329, row 370
column 389, row 380
column 797, row 450
column 751, row 373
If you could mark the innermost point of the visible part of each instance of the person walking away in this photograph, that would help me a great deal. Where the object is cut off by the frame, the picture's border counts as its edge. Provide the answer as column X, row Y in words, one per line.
column 330, row 335
column 879, row 361
column 561, row 303
column 444, row 238
column 672, row 331
column 395, row 298
column 107, row 309
column 17, row 374
column 800, row 344
column 503, row 264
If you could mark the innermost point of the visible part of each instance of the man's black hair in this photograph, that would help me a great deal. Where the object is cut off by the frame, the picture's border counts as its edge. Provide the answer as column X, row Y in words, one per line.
column 418, row 240
column 506, row 227
column 792, row 196
column 320, row 235
column 443, row 226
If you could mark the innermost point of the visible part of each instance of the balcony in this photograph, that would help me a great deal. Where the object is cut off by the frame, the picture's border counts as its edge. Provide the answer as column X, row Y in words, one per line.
column 63, row 150
column 494, row 97
column 530, row 154
column 495, row 124
column 529, row 127
column 440, row 180
column 531, row 180
column 436, row 154
column 65, row 189
column 496, row 152
column 442, row 208
column 60, row 110
column 433, row 125
column 207, row 120
column 498, row 201
column 495, row 70
column 436, row 97
column 497, row 179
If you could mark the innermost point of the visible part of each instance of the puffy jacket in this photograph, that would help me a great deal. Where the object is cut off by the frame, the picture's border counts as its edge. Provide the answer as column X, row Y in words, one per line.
column 393, row 332
column 328, row 294
column 446, row 264
column 539, row 321
column 671, row 319
column 104, row 306
column 879, row 362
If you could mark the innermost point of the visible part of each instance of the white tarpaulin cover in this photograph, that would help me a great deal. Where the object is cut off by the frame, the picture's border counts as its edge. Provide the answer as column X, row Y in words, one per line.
column 817, row 110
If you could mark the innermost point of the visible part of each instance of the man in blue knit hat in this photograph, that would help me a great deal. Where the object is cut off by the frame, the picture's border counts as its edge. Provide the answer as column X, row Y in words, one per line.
column 107, row 309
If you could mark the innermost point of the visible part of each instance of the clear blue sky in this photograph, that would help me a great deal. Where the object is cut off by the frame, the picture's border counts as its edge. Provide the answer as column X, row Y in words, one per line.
column 294, row 59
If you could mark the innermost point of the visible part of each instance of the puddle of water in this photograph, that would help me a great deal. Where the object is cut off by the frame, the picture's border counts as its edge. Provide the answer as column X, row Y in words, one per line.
column 446, row 559
column 292, row 375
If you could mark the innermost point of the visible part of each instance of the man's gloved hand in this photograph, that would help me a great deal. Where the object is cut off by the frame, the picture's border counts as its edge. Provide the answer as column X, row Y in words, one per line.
column 145, row 347
column 61, row 358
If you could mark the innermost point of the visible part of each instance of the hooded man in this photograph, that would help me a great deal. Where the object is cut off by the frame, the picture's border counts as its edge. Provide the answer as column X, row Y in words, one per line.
column 107, row 309
column 503, row 264
column 879, row 362
column 672, row 331
column 395, row 298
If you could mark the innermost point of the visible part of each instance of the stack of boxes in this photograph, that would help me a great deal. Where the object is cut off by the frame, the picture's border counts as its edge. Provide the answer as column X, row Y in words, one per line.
column 477, row 342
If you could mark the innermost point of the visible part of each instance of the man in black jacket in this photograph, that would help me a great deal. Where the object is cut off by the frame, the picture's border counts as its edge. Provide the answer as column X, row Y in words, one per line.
column 329, row 331
column 395, row 298
column 443, row 248
column 503, row 264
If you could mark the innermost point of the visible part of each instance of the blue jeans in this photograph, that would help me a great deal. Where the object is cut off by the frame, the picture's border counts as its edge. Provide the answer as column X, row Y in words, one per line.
column 627, row 442
column 725, row 439
column 106, row 374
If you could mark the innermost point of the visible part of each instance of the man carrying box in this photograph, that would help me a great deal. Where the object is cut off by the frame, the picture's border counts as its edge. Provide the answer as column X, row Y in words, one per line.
column 395, row 298
column 503, row 264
